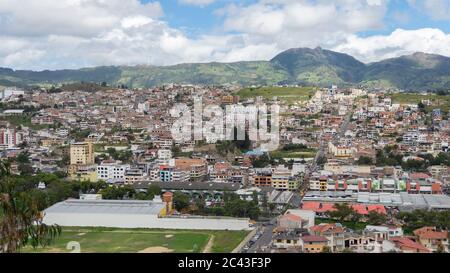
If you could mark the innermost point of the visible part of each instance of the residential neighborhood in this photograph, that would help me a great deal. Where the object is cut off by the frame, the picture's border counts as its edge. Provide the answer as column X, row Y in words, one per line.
column 351, row 170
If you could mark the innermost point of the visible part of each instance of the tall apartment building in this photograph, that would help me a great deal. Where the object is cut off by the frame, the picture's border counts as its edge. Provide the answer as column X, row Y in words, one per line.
column 82, row 153
column 10, row 138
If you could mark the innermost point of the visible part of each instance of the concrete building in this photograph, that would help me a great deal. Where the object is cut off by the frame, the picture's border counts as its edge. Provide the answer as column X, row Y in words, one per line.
column 132, row 214
column 82, row 153
column 112, row 170
column 10, row 138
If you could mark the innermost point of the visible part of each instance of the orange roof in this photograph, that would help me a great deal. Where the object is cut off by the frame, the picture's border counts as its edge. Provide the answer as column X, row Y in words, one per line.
column 377, row 208
column 322, row 228
column 408, row 243
column 222, row 166
column 292, row 217
column 360, row 209
column 318, row 207
column 430, row 233
column 327, row 207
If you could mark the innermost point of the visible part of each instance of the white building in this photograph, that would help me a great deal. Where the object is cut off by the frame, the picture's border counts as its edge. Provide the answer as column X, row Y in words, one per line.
column 132, row 214
column 10, row 138
column 306, row 215
column 164, row 157
column 111, row 170
column 9, row 92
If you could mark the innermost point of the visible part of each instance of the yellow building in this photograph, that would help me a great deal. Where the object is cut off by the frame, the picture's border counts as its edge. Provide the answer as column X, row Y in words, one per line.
column 49, row 142
column 262, row 181
column 281, row 179
column 313, row 244
column 82, row 153
column 83, row 172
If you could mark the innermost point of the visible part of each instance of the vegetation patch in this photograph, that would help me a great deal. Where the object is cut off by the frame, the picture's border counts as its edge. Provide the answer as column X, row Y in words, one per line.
column 287, row 94
column 111, row 240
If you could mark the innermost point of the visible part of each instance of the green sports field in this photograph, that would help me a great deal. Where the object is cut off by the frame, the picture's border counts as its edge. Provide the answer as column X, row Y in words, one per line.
column 107, row 240
column 287, row 94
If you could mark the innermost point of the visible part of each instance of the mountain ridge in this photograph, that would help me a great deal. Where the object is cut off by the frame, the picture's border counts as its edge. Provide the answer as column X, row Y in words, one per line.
column 321, row 67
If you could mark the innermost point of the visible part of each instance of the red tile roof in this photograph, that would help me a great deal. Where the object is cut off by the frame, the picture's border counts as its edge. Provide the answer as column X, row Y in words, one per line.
column 312, row 238
column 322, row 228
column 430, row 233
column 377, row 208
column 359, row 208
column 408, row 243
column 292, row 217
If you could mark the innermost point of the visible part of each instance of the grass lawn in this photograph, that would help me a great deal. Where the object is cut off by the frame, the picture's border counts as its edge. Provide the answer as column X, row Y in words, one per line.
column 442, row 102
column 110, row 240
column 304, row 153
column 287, row 94
column 23, row 120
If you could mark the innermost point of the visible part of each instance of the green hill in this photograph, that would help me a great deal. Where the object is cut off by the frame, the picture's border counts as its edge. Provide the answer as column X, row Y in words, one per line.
column 304, row 66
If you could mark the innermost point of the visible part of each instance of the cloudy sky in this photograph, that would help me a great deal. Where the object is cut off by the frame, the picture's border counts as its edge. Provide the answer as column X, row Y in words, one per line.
column 55, row 34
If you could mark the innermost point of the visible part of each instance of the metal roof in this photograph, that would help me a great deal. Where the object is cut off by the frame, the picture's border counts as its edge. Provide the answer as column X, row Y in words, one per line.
column 107, row 207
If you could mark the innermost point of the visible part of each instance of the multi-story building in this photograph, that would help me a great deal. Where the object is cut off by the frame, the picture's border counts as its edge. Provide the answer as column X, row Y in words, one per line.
column 112, row 170
column 432, row 238
column 10, row 138
column 82, row 153
column 333, row 232
column 262, row 179
column 313, row 244
column 197, row 167
column 164, row 156
column 280, row 178
column 133, row 175
column 172, row 174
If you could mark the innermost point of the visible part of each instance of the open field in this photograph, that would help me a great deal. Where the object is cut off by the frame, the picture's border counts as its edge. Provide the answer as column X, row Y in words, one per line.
column 438, row 101
column 287, row 94
column 110, row 240
column 304, row 153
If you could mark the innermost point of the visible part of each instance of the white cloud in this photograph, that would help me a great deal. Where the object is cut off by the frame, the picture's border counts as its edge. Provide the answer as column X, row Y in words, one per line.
column 399, row 42
column 200, row 3
column 54, row 34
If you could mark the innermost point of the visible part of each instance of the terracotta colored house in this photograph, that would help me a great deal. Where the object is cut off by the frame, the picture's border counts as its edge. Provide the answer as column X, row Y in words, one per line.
column 432, row 238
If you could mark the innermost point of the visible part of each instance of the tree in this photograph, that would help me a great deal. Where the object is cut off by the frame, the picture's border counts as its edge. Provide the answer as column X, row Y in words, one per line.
column 261, row 161
column 154, row 190
column 21, row 222
column 181, row 201
column 365, row 160
column 242, row 145
column 322, row 160
column 342, row 212
column 347, row 250
column 326, row 249
column 375, row 218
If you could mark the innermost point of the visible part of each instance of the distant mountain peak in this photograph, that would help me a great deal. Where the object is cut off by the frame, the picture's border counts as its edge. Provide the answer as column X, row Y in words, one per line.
column 306, row 66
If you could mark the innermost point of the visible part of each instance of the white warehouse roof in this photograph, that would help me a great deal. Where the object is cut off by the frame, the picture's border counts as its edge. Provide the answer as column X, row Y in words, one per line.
column 107, row 207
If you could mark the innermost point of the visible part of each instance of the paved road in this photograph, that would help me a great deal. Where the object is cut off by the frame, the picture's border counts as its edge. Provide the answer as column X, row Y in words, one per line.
column 266, row 232
column 265, row 239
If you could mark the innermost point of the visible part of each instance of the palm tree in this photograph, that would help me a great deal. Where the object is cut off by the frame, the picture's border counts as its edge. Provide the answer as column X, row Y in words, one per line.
column 21, row 222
